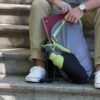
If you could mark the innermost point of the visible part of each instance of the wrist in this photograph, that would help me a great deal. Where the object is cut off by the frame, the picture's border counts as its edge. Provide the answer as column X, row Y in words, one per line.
column 77, row 10
column 82, row 8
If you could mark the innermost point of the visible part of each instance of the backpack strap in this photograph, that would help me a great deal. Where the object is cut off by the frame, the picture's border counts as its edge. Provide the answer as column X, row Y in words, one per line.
column 58, row 29
column 60, row 47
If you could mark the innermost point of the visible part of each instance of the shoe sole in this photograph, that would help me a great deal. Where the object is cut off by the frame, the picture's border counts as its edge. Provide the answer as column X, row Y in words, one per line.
column 31, row 80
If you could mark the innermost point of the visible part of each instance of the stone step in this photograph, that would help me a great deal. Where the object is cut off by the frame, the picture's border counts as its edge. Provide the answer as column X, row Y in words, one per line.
column 14, row 61
column 15, row 88
column 16, row 1
column 14, row 36
column 14, row 20
column 13, row 29
column 14, row 9
column 14, row 53
column 14, row 41
column 23, row 42
column 24, row 29
column 18, row 36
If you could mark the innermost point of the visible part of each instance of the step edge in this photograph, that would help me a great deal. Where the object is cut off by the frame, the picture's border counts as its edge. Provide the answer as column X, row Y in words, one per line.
column 49, row 88
column 22, row 53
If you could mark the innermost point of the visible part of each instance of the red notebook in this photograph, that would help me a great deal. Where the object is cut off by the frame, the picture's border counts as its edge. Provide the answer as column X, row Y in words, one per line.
column 49, row 21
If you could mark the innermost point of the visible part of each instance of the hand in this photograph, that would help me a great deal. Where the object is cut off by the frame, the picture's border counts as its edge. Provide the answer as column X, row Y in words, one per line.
column 74, row 15
column 65, row 7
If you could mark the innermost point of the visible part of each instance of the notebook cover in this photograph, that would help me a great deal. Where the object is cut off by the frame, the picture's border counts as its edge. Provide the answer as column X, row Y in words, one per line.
column 49, row 21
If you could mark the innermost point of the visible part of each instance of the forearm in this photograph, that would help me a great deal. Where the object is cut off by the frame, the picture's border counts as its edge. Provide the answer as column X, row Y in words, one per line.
column 92, row 4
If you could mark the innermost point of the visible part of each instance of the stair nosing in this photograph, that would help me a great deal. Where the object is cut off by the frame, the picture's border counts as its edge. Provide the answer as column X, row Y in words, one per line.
column 55, row 87
column 15, row 9
column 14, row 6
column 13, row 29
column 10, row 27
column 43, row 87
column 14, row 53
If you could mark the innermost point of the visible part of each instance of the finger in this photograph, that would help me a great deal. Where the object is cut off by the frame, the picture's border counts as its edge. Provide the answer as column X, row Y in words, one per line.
column 73, row 19
column 67, row 17
column 76, row 20
column 70, row 18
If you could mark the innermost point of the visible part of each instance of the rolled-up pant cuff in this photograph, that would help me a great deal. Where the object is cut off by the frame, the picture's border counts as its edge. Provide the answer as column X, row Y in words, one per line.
column 37, row 55
column 97, row 62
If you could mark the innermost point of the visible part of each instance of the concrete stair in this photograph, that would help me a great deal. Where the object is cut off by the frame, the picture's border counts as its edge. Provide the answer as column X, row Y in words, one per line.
column 14, row 61
column 16, row 1
column 15, row 64
column 14, row 25
column 15, row 88
column 20, row 9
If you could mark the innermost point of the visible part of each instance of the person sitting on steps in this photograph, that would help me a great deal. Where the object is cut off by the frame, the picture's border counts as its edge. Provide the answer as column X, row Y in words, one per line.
column 88, row 11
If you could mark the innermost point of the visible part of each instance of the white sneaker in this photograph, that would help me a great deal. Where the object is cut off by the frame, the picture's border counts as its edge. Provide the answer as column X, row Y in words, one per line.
column 97, row 79
column 36, row 74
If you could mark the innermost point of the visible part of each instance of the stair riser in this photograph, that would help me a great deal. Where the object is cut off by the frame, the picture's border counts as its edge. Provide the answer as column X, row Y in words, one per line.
column 13, row 30
column 22, row 12
column 11, row 19
column 14, row 9
column 7, row 42
column 16, row 1
column 23, row 41
column 44, row 96
column 15, row 67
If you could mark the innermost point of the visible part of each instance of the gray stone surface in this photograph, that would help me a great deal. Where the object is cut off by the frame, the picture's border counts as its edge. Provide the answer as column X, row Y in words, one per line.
column 89, row 98
column 16, row 96
column 15, row 67
column 17, row 83
column 14, row 42
column 15, row 88
column 13, row 29
column 14, row 36
column 97, row 97
column 14, row 61
column 15, row 9
column 12, row 19
column 14, row 53
column 89, row 90
column 17, row 1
